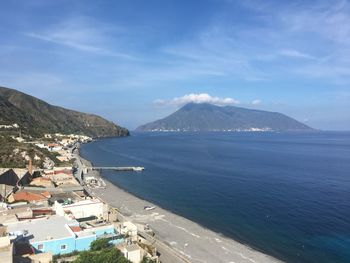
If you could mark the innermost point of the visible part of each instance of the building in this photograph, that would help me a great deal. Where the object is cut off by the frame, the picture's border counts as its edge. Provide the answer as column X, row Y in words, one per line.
column 132, row 252
column 29, row 197
column 54, row 147
column 59, row 235
column 42, row 182
column 61, row 178
column 14, row 214
column 6, row 250
column 63, row 158
column 80, row 209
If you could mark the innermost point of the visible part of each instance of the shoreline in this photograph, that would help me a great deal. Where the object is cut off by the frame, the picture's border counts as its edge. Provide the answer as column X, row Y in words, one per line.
column 186, row 238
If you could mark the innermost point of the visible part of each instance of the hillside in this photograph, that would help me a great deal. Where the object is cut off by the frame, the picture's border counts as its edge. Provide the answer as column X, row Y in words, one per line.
column 207, row 117
column 36, row 117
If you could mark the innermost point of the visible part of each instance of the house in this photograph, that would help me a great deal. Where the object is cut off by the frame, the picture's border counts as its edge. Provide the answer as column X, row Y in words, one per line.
column 80, row 209
column 132, row 252
column 57, row 170
column 61, row 178
column 15, row 214
column 62, row 158
column 54, row 147
column 29, row 197
column 59, row 235
column 43, row 182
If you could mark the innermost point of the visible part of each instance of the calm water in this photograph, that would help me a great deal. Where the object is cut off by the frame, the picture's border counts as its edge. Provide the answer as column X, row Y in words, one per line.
column 285, row 194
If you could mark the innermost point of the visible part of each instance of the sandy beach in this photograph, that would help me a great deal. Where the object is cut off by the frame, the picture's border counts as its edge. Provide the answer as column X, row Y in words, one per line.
column 180, row 235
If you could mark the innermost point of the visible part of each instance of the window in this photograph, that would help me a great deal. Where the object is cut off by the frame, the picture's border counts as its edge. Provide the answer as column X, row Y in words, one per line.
column 63, row 247
column 40, row 247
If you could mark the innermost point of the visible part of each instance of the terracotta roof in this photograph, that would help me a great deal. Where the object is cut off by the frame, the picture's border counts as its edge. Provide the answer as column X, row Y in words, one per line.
column 64, row 171
column 75, row 228
column 46, row 194
column 28, row 196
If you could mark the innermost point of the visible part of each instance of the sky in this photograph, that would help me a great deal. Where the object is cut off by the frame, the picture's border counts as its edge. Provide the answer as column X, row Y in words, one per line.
column 136, row 61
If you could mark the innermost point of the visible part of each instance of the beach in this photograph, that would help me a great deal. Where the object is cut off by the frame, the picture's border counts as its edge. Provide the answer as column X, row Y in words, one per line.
column 178, row 239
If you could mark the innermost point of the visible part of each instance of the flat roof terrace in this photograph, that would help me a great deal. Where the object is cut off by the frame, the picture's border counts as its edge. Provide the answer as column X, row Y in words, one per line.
column 53, row 227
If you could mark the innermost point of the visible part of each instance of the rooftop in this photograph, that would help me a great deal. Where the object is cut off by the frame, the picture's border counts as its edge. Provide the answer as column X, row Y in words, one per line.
column 53, row 227
column 29, row 196
column 75, row 228
column 80, row 203
column 132, row 247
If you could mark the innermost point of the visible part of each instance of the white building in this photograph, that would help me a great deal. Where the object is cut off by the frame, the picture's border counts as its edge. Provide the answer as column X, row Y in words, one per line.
column 132, row 252
column 80, row 209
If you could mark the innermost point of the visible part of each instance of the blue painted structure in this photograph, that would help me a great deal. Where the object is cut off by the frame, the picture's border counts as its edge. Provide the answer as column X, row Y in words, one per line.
column 55, row 246
column 73, row 242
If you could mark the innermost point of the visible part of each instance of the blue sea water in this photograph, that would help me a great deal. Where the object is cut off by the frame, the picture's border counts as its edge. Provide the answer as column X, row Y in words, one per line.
column 286, row 194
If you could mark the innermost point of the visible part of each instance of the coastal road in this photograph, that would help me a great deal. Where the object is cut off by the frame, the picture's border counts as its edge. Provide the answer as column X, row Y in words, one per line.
column 167, row 254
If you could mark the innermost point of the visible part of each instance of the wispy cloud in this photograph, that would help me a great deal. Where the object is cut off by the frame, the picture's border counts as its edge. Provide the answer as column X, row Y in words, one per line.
column 196, row 98
column 316, row 36
column 329, row 20
column 216, row 51
column 81, row 34
column 256, row 102
column 295, row 54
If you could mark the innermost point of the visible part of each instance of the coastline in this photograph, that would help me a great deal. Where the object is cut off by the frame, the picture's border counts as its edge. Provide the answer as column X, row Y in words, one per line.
column 178, row 239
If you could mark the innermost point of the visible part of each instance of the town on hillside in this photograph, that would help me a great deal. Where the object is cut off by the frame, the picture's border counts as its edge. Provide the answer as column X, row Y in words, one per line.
column 48, row 213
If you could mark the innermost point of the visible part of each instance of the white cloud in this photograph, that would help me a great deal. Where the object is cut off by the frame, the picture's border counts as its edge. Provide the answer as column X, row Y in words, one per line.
column 295, row 54
column 197, row 98
column 256, row 102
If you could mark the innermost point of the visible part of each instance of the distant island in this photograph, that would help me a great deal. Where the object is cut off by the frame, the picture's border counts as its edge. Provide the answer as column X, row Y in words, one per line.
column 36, row 117
column 208, row 117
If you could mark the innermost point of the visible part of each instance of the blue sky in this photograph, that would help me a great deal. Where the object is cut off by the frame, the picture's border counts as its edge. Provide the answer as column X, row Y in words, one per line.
column 136, row 61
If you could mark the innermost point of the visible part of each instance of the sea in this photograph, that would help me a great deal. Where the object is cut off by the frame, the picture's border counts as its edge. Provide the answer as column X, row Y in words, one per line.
column 285, row 194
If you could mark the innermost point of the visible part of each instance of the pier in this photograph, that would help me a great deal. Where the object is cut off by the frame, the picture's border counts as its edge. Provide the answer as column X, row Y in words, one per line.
column 116, row 168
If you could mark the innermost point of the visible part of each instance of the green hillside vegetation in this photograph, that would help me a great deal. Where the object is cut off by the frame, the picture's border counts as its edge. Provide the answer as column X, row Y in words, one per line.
column 12, row 154
column 37, row 117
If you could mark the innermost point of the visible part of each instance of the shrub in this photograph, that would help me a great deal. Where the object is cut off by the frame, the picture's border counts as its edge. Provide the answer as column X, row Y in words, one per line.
column 100, row 244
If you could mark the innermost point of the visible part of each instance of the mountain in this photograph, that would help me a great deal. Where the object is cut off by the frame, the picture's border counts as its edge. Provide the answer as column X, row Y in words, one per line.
column 208, row 117
column 37, row 117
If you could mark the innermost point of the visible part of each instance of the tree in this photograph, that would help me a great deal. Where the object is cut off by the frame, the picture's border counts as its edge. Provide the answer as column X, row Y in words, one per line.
column 107, row 255
column 100, row 244
column 147, row 260
column 101, row 252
